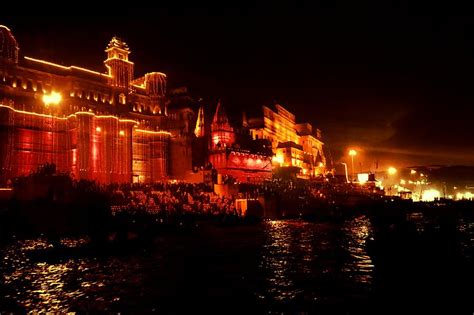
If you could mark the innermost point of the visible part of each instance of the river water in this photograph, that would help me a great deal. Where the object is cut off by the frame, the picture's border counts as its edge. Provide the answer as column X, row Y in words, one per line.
column 287, row 265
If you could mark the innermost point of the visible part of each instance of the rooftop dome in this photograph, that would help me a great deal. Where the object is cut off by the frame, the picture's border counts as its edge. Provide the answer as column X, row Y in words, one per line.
column 8, row 45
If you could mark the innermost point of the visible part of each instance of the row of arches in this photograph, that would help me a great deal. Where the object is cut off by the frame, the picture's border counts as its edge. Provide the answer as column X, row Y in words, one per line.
column 149, row 110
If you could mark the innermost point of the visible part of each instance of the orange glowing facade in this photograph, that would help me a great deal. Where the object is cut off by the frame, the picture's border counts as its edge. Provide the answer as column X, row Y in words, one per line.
column 295, row 145
column 105, row 126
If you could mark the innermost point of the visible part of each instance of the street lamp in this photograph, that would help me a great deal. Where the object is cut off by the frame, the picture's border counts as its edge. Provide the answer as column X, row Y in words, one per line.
column 352, row 153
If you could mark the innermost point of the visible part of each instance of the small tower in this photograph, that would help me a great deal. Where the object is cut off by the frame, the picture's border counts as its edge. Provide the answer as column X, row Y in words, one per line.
column 199, row 131
column 119, row 67
column 222, row 133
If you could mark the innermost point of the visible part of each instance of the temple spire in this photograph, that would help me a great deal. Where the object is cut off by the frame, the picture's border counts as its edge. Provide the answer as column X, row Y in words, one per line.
column 199, row 130
column 220, row 117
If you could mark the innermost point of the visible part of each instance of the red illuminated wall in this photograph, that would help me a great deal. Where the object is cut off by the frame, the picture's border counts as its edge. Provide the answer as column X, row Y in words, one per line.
column 150, row 156
column 86, row 145
column 103, row 148
column 27, row 141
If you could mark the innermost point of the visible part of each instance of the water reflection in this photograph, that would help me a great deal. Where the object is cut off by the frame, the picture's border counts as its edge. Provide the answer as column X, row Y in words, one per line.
column 303, row 261
column 39, row 286
column 360, row 266
column 288, row 263
column 277, row 258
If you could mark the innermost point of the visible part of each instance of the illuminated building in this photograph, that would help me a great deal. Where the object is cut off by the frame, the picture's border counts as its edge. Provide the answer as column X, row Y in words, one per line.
column 107, row 126
column 295, row 146
column 232, row 152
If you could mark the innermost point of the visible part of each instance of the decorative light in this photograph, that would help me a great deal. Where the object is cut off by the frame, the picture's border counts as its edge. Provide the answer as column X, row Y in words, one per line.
column 66, row 68
column 161, row 132
column 52, row 99
column 413, row 172
column 392, row 170
column 352, row 152
column 122, row 133
column 98, row 129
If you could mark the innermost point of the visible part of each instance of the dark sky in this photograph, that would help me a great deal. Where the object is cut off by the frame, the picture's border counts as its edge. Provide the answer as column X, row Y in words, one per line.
column 394, row 80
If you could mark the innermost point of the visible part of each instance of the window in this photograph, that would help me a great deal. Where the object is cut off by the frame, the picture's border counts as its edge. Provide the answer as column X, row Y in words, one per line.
column 122, row 98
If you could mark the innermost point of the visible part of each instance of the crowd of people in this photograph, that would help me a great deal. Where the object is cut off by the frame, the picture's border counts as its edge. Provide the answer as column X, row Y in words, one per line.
column 172, row 198
column 176, row 198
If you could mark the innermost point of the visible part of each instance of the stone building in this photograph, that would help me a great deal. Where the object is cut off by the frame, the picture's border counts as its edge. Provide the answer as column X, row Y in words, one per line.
column 108, row 126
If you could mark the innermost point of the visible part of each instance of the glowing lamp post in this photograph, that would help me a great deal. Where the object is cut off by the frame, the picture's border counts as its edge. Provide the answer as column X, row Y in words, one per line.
column 352, row 153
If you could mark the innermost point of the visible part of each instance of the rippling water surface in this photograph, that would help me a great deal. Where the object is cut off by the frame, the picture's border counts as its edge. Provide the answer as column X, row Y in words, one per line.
column 277, row 265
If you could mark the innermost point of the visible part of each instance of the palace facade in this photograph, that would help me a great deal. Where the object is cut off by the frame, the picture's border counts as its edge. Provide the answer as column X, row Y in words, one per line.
column 297, row 147
column 112, row 127
column 108, row 126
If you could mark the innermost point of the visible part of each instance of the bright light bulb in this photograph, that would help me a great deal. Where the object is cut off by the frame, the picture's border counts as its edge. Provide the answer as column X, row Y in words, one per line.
column 52, row 99
column 392, row 170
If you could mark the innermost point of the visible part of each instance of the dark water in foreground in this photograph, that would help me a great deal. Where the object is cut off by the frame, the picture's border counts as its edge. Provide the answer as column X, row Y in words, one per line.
column 288, row 265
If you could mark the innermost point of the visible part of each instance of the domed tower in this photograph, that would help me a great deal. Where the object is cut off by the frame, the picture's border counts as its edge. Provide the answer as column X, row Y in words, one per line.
column 8, row 46
column 119, row 67
column 155, row 85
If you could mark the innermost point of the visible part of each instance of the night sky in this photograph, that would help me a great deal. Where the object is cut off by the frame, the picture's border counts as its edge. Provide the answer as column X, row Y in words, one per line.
column 394, row 81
